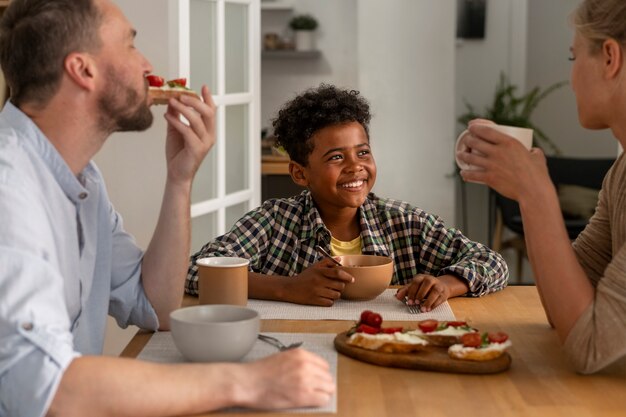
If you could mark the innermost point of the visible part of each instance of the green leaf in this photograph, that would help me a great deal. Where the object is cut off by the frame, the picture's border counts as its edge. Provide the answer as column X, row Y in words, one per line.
column 510, row 108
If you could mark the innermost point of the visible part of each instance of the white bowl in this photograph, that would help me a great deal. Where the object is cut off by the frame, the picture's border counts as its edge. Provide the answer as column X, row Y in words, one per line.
column 214, row 333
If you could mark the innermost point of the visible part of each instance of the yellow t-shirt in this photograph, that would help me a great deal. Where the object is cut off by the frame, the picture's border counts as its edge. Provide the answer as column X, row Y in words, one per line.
column 338, row 248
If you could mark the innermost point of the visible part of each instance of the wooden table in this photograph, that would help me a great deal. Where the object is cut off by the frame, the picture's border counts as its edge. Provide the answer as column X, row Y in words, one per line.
column 539, row 383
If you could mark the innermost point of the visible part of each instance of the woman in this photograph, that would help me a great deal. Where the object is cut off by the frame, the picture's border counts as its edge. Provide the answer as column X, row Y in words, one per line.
column 582, row 285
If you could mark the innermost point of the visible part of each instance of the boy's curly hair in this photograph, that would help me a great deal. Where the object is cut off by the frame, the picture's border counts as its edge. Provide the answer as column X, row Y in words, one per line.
column 315, row 109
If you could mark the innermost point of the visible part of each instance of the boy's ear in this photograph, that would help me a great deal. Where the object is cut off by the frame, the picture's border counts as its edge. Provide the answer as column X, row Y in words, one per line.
column 81, row 69
column 297, row 174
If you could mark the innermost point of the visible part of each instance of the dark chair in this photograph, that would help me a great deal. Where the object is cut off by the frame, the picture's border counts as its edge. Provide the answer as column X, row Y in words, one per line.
column 504, row 212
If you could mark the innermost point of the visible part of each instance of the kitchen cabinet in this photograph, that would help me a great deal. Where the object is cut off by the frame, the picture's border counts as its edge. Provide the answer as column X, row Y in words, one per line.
column 275, row 179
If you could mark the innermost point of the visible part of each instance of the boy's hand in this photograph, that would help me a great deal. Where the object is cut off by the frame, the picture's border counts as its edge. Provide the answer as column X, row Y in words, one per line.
column 429, row 291
column 320, row 284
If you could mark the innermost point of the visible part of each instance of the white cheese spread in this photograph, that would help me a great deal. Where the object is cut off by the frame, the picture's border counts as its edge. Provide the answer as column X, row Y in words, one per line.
column 491, row 346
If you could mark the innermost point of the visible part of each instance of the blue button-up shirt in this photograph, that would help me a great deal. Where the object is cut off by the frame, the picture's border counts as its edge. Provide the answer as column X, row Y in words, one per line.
column 65, row 262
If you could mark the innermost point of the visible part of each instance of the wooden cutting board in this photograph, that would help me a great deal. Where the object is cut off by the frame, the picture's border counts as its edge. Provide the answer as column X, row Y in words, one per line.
column 431, row 359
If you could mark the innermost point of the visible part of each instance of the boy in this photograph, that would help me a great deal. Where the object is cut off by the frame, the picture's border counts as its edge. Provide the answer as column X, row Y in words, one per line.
column 325, row 133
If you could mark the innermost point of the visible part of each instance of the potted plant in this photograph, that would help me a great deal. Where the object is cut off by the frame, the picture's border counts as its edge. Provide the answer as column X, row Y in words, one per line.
column 513, row 110
column 304, row 26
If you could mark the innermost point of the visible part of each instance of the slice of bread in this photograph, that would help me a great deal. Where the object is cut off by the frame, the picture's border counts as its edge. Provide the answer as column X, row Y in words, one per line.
column 446, row 337
column 163, row 95
column 491, row 351
column 388, row 343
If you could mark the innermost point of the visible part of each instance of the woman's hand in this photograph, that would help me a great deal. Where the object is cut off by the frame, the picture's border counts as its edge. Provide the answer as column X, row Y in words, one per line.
column 503, row 163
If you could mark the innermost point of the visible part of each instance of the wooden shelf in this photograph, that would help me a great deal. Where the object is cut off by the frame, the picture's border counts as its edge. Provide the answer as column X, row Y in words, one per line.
column 290, row 54
column 4, row 3
column 285, row 5
column 274, row 165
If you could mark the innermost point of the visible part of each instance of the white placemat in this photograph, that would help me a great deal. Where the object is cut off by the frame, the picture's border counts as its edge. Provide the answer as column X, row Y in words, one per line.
column 385, row 304
column 161, row 349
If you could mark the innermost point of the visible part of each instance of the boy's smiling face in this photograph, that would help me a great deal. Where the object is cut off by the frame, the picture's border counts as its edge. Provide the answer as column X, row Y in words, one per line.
column 341, row 170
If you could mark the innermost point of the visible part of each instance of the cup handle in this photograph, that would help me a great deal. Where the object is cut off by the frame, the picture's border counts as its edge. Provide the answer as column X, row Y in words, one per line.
column 461, row 147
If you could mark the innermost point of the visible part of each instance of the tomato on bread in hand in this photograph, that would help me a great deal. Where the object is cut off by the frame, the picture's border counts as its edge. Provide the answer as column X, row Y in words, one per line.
column 161, row 91
column 180, row 82
column 155, row 80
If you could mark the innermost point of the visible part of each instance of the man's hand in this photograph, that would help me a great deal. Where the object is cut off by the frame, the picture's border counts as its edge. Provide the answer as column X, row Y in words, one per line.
column 320, row 284
column 295, row 378
column 429, row 291
column 188, row 144
column 166, row 260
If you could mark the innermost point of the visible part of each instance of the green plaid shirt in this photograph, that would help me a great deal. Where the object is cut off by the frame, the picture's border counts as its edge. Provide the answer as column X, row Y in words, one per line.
column 279, row 238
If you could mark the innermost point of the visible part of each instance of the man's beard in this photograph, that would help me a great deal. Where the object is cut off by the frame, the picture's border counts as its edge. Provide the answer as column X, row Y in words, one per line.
column 121, row 108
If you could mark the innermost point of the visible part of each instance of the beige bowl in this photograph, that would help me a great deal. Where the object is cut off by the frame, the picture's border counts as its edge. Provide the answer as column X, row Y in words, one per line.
column 372, row 275
column 214, row 333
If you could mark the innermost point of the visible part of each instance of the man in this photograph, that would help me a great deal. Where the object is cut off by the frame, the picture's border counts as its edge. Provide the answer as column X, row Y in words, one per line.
column 65, row 259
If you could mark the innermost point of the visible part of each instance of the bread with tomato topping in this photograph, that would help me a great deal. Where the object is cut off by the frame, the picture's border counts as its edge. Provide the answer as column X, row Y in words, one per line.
column 397, row 342
column 161, row 91
column 442, row 333
column 489, row 346
column 162, row 96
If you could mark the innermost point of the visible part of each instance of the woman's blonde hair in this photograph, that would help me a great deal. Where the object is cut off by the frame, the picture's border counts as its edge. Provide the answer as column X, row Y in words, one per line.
column 599, row 20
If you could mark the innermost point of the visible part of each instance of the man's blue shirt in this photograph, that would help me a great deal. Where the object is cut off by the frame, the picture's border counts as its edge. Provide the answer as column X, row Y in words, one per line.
column 65, row 262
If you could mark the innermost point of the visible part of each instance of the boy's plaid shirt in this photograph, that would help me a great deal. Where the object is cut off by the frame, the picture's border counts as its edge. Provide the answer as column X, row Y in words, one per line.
column 279, row 238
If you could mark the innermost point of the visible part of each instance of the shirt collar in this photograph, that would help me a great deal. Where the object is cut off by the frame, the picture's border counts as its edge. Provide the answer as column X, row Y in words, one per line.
column 372, row 230
column 73, row 186
column 312, row 224
column 372, row 235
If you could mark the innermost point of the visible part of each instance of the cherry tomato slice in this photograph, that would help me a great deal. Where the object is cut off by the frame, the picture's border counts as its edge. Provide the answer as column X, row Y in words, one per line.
column 179, row 81
column 375, row 320
column 155, row 81
column 391, row 330
column 428, row 326
column 371, row 319
column 471, row 339
column 365, row 314
column 499, row 337
column 457, row 323
column 364, row 328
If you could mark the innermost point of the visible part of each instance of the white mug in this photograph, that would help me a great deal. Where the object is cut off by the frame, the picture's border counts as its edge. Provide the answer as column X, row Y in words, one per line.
column 522, row 134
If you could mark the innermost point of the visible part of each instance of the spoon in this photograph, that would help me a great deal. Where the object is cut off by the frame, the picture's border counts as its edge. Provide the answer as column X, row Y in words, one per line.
column 277, row 343
column 327, row 255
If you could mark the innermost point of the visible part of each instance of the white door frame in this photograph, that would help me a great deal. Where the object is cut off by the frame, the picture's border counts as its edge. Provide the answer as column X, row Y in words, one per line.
column 179, row 12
